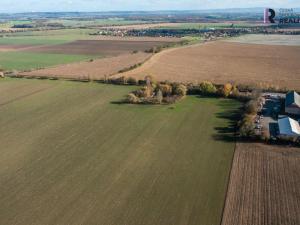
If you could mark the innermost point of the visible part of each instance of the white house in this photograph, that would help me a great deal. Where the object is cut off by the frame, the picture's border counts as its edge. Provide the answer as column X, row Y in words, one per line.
column 288, row 128
column 292, row 103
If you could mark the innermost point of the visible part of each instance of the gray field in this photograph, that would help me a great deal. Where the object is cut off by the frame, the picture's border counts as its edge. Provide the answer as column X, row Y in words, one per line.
column 268, row 39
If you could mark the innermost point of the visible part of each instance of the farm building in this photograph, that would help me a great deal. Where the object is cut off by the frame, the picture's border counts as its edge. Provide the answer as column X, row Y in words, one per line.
column 288, row 128
column 292, row 103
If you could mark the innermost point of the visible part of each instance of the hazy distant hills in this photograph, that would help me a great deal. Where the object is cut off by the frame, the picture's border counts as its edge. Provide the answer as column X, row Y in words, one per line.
column 36, row 15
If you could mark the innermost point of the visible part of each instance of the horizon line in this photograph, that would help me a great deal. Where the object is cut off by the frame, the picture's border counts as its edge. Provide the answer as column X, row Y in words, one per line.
column 165, row 10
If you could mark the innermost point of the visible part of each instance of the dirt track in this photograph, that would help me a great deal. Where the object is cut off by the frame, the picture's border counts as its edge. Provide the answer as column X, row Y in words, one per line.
column 264, row 186
column 222, row 62
column 95, row 70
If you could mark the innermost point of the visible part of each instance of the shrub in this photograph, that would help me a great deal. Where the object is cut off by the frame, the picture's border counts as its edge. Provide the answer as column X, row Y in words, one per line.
column 179, row 89
column 119, row 80
column 132, row 98
column 131, row 81
column 207, row 88
column 255, row 94
column 150, row 50
column 144, row 92
column 251, row 107
column 154, row 49
column 226, row 90
column 246, row 127
column 166, row 89
column 141, row 82
column 235, row 92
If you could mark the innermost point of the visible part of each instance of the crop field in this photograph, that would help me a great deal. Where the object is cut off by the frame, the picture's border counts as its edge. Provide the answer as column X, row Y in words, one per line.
column 264, row 186
column 222, row 62
column 35, row 50
column 71, row 154
column 26, row 61
column 47, row 37
column 96, row 47
column 97, row 69
column 293, row 40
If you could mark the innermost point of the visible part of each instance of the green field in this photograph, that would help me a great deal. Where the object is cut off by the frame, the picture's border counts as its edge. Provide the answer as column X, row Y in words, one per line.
column 70, row 154
column 26, row 60
column 47, row 37
column 20, row 60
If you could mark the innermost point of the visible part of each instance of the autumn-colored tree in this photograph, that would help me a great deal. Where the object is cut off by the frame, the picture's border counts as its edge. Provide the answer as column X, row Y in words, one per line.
column 226, row 89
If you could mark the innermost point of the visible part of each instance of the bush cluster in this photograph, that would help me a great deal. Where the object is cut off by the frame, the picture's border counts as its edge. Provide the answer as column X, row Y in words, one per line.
column 207, row 88
column 130, row 68
column 157, row 93
column 122, row 81
column 246, row 126
column 251, row 108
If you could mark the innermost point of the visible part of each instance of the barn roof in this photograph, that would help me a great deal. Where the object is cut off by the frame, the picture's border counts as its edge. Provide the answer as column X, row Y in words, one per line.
column 289, row 126
column 292, row 98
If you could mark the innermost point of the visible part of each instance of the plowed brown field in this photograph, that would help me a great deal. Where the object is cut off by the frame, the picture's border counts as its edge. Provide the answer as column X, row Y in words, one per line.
column 95, row 70
column 99, row 47
column 264, row 186
column 222, row 62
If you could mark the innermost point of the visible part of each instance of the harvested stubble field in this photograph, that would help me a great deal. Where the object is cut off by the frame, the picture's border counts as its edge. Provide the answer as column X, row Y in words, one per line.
column 99, row 47
column 293, row 40
column 97, row 69
column 222, row 62
column 264, row 186
column 70, row 154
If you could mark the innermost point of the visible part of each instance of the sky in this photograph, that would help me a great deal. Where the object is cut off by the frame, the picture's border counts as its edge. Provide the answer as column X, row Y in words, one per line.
column 10, row 6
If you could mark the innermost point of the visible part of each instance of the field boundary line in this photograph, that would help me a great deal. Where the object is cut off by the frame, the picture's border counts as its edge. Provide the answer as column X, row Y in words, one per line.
column 25, row 96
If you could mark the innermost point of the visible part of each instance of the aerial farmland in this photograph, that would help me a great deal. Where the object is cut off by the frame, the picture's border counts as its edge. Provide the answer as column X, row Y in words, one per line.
column 237, row 60
column 73, row 158
column 143, row 118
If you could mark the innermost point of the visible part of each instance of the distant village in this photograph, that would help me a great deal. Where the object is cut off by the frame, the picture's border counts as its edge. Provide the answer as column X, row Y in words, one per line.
column 207, row 33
